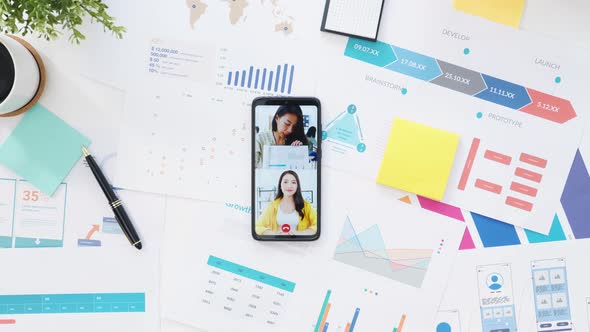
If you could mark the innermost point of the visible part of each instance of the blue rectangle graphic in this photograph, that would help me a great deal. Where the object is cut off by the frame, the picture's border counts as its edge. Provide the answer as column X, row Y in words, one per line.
column 270, row 80
column 284, row 78
column 72, row 303
column 25, row 242
column 110, row 226
column 291, row 79
column 277, row 78
column 89, row 243
column 250, row 71
column 494, row 233
column 354, row 318
column 5, row 241
column 504, row 93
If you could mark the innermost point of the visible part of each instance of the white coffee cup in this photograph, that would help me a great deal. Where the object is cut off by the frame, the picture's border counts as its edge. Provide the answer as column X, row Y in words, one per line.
column 26, row 76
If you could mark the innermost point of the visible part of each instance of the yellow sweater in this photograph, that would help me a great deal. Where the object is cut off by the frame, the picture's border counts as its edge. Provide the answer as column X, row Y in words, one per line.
column 268, row 219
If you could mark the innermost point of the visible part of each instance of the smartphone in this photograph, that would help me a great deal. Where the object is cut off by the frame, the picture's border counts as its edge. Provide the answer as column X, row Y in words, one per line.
column 496, row 299
column 552, row 299
column 286, row 168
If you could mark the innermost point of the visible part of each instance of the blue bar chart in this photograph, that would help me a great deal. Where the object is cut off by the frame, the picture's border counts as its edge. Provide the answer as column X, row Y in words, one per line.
column 273, row 79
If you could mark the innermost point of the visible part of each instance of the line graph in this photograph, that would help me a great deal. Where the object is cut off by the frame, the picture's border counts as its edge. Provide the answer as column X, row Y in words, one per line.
column 366, row 250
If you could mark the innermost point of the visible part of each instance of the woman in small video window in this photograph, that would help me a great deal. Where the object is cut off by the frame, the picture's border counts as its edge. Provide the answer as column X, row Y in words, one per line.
column 289, row 213
column 287, row 129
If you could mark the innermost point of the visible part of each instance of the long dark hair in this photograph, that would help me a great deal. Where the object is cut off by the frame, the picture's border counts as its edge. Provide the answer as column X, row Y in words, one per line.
column 298, row 133
column 297, row 197
column 311, row 132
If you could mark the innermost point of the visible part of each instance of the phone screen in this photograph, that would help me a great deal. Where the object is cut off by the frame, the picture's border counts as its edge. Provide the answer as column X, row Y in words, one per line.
column 286, row 168
column 496, row 299
column 552, row 301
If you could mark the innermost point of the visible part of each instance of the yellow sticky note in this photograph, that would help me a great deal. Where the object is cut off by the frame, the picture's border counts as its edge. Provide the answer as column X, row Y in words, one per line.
column 418, row 159
column 507, row 12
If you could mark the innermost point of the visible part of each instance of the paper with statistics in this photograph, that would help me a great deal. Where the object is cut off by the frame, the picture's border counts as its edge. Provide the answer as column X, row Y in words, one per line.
column 77, row 215
column 395, row 272
column 234, row 22
column 187, row 125
column 66, row 262
column 89, row 290
column 519, row 120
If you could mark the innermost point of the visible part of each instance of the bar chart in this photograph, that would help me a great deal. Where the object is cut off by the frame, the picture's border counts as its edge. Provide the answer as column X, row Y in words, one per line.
column 328, row 320
column 322, row 324
column 270, row 79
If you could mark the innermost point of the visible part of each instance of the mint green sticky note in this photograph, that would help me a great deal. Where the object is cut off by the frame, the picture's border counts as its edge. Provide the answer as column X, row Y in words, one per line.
column 42, row 149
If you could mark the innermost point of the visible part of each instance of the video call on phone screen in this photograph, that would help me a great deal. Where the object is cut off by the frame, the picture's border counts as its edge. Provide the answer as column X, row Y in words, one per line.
column 286, row 170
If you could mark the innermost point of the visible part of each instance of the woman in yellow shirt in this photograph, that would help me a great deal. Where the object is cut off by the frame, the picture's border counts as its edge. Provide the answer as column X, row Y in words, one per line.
column 289, row 213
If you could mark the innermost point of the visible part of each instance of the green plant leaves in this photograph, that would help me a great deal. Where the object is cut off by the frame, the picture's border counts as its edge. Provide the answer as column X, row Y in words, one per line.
column 50, row 18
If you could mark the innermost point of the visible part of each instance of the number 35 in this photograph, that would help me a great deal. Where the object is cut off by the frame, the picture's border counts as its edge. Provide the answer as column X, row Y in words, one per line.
column 29, row 195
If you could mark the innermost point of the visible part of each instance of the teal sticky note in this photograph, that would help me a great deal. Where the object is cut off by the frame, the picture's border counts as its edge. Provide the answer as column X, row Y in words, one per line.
column 42, row 149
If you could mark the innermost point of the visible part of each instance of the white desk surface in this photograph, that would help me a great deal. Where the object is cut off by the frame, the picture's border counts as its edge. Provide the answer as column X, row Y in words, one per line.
column 66, row 88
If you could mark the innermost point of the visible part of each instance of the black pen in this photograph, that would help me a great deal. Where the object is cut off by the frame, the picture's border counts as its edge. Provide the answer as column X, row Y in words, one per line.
column 114, row 201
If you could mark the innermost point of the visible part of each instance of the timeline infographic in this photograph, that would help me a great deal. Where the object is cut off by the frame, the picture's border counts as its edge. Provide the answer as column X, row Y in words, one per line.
column 506, row 162
column 462, row 80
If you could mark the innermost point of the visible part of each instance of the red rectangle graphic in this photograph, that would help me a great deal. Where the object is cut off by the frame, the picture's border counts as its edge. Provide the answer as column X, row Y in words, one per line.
column 519, row 203
column 523, row 189
column 468, row 163
column 529, row 175
column 535, row 161
column 497, row 157
column 491, row 187
column 7, row 321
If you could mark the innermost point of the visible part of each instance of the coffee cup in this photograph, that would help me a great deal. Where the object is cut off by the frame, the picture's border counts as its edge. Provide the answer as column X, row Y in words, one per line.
column 19, row 75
